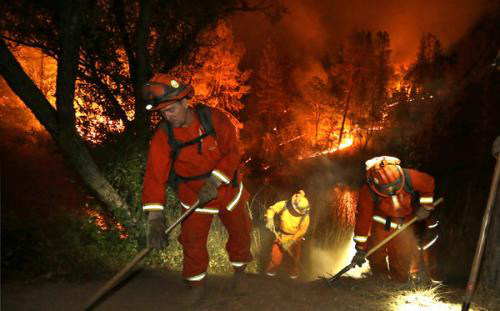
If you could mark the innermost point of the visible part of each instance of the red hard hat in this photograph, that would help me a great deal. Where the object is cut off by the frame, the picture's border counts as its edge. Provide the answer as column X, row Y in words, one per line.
column 384, row 175
column 163, row 90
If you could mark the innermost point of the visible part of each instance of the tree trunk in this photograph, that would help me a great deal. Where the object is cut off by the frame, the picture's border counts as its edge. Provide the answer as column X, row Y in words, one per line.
column 140, row 72
column 344, row 117
column 27, row 91
column 60, row 124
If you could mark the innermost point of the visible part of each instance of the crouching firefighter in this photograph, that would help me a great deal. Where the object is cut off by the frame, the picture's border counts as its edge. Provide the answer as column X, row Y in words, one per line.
column 288, row 220
column 196, row 152
column 391, row 197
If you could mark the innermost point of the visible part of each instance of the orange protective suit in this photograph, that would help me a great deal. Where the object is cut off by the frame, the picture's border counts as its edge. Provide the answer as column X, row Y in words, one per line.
column 374, row 222
column 219, row 156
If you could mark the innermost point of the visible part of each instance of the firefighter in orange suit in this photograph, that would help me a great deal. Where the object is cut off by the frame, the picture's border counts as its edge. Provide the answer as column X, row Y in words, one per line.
column 390, row 197
column 196, row 152
column 293, row 218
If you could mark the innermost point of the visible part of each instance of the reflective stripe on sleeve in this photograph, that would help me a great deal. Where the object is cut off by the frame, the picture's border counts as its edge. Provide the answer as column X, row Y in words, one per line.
column 382, row 220
column 360, row 238
column 198, row 277
column 220, row 176
column 201, row 209
column 426, row 200
column 236, row 199
column 152, row 207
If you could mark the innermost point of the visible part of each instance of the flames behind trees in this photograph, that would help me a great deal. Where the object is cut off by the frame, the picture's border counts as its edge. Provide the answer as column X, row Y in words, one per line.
column 343, row 105
column 351, row 98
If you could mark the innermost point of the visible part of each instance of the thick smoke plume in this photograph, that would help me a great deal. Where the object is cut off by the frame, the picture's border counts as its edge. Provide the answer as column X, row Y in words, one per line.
column 310, row 28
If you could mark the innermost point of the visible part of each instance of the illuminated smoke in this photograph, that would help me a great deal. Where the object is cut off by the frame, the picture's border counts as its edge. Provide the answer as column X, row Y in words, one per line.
column 311, row 27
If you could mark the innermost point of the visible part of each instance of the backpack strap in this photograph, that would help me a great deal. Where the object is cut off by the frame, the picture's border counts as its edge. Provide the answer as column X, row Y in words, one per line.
column 205, row 117
column 408, row 186
column 375, row 197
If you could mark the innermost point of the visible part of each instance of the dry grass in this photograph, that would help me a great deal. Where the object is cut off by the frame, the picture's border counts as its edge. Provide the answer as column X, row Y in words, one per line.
column 426, row 298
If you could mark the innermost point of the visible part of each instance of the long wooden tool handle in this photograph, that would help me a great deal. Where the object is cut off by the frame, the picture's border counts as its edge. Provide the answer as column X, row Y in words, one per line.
column 378, row 246
column 471, row 283
column 395, row 233
column 119, row 276
column 183, row 216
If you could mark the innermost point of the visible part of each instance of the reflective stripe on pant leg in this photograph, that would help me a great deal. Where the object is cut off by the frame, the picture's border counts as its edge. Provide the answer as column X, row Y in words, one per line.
column 197, row 278
column 193, row 238
column 239, row 226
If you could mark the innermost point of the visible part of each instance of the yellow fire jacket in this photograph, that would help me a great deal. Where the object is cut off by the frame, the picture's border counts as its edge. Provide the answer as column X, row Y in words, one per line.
column 293, row 225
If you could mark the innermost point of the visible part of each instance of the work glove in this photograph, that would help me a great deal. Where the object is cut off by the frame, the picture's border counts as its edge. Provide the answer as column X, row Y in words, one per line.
column 359, row 258
column 270, row 225
column 422, row 213
column 209, row 190
column 156, row 236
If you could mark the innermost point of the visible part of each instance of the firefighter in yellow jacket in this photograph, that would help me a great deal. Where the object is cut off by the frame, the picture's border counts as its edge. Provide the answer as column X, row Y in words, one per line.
column 292, row 221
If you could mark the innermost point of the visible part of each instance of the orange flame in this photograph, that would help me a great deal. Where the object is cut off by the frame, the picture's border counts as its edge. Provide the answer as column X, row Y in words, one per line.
column 102, row 225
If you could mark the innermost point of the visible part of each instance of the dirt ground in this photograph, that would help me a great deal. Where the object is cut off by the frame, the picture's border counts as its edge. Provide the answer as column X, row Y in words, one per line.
column 158, row 290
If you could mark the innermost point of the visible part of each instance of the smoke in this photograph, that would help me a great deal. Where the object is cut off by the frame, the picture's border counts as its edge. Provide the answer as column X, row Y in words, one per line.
column 310, row 28
column 327, row 262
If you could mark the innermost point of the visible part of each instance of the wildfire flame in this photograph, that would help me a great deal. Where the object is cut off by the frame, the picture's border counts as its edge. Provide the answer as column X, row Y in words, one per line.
column 102, row 225
column 347, row 142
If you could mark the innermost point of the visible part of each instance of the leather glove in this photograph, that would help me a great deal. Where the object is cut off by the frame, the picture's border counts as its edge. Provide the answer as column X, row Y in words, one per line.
column 422, row 213
column 209, row 190
column 359, row 258
column 156, row 236
column 270, row 225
